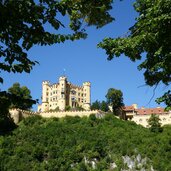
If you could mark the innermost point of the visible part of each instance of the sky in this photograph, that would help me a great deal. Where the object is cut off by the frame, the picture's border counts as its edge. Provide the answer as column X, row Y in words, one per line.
column 83, row 61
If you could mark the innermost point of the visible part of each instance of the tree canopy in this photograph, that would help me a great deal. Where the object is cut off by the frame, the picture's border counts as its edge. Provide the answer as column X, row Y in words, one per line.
column 150, row 36
column 24, row 94
column 104, row 106
column 15, row 97
column 95, row 105
column 74, row 143
column 115, row 100
column 154, row 123
column 23, row 26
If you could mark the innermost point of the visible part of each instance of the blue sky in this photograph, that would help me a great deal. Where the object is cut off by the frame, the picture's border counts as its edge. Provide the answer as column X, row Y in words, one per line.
column 83, row 61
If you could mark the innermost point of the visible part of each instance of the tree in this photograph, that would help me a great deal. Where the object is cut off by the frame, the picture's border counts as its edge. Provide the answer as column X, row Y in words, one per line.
column 115, row 99
column 16, row 97
column 24, row 24
column 150, row 36
column 154, row 123
column 95, row 105
column 104, row 106
column 24, row 101
column 6, row 122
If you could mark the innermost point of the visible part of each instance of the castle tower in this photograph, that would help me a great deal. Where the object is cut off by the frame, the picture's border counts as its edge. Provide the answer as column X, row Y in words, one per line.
column 62, row 87
column 45, row 96
column 86, row 89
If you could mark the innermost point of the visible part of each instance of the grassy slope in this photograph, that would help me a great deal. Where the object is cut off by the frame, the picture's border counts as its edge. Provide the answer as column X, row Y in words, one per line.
column 58, row 144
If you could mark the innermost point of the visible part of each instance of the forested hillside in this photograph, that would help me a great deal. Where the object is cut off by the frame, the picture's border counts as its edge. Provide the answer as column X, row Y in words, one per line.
column 74, row 143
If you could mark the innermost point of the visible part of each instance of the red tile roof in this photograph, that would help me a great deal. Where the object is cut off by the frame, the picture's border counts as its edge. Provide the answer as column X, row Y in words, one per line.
column 128, row 108
column 149, row 111
column 144, row 111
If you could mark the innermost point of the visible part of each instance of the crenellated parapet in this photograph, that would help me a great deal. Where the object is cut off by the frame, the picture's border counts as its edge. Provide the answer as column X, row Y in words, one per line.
column 18, row 114
column 46, row 82
column 87, row 83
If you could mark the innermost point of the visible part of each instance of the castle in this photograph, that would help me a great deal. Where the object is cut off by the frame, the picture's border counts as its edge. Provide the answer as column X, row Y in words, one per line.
column 63, row 94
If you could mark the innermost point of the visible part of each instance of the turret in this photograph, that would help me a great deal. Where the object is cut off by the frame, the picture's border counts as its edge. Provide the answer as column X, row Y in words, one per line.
column 45, row 96
column 62, row 85
column 87, row 100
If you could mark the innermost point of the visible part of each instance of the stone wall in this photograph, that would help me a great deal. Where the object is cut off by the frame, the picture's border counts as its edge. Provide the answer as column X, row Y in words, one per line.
column 68, row 113
column 17, row 114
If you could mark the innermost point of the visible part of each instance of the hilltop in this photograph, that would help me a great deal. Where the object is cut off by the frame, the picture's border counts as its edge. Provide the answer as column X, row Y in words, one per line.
column 74, row 143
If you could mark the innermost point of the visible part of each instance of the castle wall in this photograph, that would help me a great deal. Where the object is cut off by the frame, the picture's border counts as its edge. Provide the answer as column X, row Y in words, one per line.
column 17, row 115
column 68, row 113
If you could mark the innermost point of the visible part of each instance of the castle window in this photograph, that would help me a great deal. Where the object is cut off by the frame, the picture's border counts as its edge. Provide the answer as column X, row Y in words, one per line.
column 73, row 91
column 46, row 99
column 85, row 94
column 79, row 99
column 47, row 94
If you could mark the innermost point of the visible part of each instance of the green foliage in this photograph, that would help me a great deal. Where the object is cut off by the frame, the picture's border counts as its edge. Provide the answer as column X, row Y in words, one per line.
column 166, row 98
column 96, row 105
column 55, row 110
column 67, row 108
column 72, row 143
column 150, row 36
column 154, row 123
column 115, row 99
column 24, row 26
column 22, row 93
column 104, row 106
column 79, row 108
column 16, row 97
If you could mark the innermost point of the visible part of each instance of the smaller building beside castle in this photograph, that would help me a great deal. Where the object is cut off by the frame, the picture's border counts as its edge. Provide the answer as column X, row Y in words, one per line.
column 142, row 115
column 63, row 93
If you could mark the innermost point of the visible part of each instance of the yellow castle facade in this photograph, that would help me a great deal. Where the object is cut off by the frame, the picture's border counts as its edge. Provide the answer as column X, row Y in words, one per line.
column 63, row 93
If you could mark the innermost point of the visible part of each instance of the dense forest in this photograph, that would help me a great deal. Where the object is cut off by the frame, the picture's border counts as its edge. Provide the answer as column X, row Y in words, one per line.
column 74, row 143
